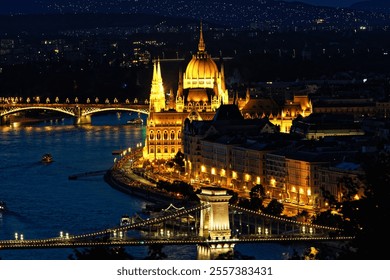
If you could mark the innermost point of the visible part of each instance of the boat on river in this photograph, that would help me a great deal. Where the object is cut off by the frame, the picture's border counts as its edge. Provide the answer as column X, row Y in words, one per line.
column 3, row 206
column 136, row 121
column 47, row 158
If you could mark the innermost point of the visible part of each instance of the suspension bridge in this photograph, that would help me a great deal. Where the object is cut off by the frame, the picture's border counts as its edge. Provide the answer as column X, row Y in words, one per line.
column 214, row 226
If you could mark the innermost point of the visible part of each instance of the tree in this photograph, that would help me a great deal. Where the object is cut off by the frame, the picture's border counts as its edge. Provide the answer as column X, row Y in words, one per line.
column 364, row 218
column 179, row 159
column 274, row 207
column 101, row 253
column 368, row 215
column 257, row 191
column 329, row 218
column 234, row 199
column 155, row 252
column 256, row 203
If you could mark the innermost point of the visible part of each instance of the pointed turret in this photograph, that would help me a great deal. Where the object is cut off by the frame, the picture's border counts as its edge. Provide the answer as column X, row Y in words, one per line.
column 158, row 74
column 223, row 76
column 157, row 96
column 171, row 101
column 201, row 45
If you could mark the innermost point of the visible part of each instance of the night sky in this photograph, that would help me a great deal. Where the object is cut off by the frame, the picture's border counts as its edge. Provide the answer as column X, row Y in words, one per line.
column 333, row 3
column 31, row 6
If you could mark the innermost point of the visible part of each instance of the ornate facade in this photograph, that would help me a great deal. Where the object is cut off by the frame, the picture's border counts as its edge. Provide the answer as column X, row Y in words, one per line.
column 201, row 90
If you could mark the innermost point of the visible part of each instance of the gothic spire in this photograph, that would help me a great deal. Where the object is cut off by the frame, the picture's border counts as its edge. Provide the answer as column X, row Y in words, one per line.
column 201, row 45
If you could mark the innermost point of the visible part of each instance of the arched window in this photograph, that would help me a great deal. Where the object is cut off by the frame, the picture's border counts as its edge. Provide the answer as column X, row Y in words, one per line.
column 172, row 135
column 179, row 134
column 158, row 135
column 172, row 150
column 165, row 135
column 197, row 106
column 159, row 150
column 151, row 135
column 165, row 150
column 151, row 151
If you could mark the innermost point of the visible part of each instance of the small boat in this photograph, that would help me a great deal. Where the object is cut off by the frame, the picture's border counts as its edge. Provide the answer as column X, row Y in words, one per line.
column 136, row 121
column 117, row 152
column 47, row 158
column 2, row 206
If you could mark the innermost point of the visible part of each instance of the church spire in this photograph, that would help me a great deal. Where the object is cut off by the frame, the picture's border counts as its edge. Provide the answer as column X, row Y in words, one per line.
column 157, row 78
column 157, row 95
column 201, row 45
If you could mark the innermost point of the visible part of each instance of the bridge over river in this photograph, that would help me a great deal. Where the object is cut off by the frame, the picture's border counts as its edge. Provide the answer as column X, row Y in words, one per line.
column 214, row 227
column 81, row 112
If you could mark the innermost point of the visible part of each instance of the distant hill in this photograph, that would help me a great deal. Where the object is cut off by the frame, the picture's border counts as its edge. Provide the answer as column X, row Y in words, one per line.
column 372, row 5
column 54, row 23
column 253, row 14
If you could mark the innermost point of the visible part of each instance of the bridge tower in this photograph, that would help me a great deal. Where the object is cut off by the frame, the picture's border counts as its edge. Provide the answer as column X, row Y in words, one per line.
column 80, row 119
column 214, row 223
column 4, row 120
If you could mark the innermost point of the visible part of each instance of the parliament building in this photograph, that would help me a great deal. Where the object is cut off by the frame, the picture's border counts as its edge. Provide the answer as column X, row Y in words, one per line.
column 200, row 92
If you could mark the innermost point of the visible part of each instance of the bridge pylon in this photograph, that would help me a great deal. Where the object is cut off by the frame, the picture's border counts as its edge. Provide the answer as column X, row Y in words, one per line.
column 80, row 118
column 4, row 120
column 214, row 223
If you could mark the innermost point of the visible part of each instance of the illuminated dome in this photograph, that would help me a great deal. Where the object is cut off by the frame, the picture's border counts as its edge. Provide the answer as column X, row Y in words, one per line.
column 201, row 66
column 201, row 71
column 202, row 86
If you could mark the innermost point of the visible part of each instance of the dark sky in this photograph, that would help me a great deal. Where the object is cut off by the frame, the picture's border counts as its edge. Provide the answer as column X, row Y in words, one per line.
column 27, row 6
column 333, row 3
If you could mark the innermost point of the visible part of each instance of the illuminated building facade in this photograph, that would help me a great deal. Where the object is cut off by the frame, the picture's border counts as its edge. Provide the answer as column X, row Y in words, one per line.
column 280, row 115
column 201, row 90
column 227, row 151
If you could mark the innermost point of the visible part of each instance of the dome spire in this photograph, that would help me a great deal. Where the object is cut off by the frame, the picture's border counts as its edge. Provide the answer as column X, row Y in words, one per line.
column 201, row 45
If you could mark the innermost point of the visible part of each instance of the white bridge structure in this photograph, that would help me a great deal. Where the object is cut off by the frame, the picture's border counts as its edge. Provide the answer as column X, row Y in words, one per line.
column 81, row 112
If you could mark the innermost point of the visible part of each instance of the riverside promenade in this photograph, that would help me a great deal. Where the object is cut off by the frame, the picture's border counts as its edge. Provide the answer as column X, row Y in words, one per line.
column 121, row 177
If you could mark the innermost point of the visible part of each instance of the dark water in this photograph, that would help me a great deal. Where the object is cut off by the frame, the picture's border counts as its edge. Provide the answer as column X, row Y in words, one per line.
column 42, row 201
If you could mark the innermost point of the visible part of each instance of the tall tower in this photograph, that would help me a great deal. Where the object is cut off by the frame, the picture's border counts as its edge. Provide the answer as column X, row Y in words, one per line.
column 214, row 223
column 157, row 95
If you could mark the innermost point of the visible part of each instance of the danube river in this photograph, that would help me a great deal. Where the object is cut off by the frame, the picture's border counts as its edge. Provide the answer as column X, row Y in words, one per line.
column 42, row 201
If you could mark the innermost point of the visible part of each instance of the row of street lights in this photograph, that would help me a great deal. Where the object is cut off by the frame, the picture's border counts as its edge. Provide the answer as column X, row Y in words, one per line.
column 37, row 99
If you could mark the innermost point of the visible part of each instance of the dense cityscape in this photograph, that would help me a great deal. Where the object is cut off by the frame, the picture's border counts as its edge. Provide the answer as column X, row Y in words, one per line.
column 281, row 106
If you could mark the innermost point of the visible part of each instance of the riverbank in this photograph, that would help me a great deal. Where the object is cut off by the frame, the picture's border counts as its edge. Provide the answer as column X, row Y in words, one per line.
column 134, row 186
column 122, row 178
